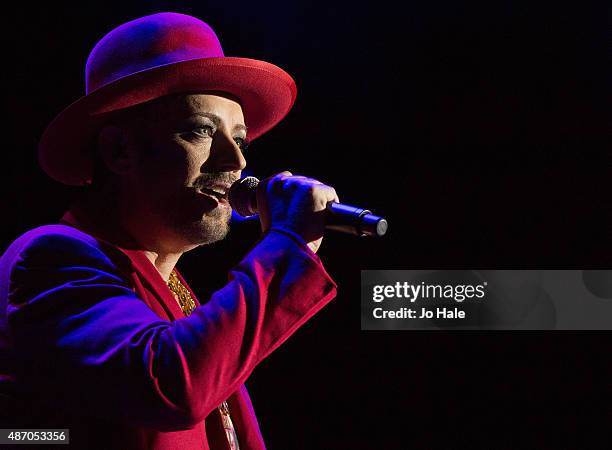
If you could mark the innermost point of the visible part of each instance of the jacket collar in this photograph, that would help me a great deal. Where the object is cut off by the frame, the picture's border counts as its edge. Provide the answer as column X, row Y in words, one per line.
column 139, row 261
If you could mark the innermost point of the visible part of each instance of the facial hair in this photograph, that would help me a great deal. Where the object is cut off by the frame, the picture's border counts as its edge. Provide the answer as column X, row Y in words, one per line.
column 206, row 227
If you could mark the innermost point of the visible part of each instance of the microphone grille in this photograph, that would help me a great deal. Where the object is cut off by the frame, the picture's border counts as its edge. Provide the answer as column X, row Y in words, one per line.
column 242, row 196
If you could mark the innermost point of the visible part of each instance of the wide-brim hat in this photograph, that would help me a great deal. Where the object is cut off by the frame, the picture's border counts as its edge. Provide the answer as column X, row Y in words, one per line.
column 150, row 57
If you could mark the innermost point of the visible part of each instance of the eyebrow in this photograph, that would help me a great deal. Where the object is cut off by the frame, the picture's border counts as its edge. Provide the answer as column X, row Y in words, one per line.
column 217, row 120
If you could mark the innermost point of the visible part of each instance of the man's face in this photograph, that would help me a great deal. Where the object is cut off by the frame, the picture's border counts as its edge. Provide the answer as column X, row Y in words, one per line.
column 191, row 154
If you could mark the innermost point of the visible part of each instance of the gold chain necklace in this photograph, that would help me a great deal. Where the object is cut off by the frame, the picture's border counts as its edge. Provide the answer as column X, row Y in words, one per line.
column 181, row 294
column 187, row 304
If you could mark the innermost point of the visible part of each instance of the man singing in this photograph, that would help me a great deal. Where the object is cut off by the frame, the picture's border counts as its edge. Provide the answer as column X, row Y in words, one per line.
column 99, row 333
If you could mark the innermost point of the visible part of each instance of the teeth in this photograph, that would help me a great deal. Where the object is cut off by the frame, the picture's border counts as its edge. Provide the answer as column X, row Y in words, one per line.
column 214, row 191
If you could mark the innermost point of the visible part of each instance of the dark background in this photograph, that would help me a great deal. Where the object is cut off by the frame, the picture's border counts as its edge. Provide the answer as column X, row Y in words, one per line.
column 479, row 130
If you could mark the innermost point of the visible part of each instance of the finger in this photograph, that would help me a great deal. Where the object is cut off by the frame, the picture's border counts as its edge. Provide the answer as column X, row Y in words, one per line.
column 336, row 198
column 282, row 176
column 307, row 179
column 327, row 193
column 332, row 196
column 301, row 182
column 323, row 195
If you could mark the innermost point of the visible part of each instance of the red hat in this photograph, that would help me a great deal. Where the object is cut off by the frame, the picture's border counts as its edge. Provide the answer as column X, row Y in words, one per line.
column 150, row 57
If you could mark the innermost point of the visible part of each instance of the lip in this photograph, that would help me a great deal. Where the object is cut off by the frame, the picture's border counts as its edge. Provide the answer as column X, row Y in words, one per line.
column 219, row 201
column 220, row 186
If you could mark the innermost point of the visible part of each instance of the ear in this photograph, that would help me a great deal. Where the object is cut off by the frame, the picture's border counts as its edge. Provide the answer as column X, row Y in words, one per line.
column 114, row 149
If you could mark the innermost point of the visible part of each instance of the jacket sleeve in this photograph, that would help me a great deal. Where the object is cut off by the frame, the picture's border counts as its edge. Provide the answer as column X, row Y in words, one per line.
column 87, row 341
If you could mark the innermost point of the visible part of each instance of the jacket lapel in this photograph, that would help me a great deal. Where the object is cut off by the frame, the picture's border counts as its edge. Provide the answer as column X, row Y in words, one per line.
column 147, row 281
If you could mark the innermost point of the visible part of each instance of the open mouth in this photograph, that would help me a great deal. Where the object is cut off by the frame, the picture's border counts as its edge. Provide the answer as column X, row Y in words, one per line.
column 219, row 193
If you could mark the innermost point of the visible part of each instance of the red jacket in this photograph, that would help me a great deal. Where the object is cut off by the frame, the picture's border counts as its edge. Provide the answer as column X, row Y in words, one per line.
column 92, row 339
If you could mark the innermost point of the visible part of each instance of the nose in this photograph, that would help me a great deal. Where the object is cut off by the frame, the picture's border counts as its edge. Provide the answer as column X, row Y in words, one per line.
column 225, row 154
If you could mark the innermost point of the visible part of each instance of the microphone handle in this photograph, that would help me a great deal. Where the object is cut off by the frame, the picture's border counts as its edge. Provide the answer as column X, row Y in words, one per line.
column 354, row 220
column 338, row 217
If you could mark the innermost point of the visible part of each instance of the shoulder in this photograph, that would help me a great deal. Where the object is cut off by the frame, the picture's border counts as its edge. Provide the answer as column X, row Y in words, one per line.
column 59, row 244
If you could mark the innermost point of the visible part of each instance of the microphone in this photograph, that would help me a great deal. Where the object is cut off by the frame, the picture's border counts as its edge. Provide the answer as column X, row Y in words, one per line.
column 339, row 217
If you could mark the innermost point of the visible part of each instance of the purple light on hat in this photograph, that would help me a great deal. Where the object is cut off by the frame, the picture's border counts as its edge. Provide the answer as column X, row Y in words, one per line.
column 156, row 41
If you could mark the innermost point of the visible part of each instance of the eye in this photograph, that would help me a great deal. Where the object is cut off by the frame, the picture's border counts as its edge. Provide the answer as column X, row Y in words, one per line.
column 242, row 143
column 204, row 131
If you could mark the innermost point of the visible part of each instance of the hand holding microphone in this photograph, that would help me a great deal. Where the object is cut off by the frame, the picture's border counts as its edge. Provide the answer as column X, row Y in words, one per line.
column 303, row 205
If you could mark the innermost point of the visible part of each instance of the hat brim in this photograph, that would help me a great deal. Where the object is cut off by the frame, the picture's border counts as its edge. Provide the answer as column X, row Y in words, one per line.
column 266, row 93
